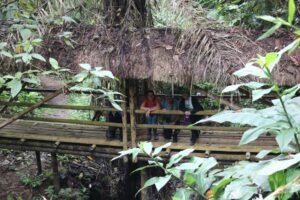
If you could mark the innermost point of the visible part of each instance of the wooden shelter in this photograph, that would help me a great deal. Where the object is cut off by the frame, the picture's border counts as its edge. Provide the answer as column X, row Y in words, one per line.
column 145, row 54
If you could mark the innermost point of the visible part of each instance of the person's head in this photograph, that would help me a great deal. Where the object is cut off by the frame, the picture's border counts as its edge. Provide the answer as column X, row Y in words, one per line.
column 150, row 95
column 186, row 95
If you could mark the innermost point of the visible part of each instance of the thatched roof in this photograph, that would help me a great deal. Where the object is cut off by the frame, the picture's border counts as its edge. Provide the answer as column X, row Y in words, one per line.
column 166, row 54
column 169, row 55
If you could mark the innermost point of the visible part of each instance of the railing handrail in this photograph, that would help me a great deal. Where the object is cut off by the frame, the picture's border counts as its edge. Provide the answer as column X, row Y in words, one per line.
column 97, row 108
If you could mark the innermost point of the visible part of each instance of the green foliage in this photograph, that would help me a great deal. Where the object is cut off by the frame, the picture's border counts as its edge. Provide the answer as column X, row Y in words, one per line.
column 31, row 181
column 67, row 193
column 66, row 158
column 244, row 13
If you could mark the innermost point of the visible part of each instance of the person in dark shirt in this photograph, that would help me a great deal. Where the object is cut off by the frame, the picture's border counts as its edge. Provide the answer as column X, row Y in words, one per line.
column 190, row 105
column 169, row 103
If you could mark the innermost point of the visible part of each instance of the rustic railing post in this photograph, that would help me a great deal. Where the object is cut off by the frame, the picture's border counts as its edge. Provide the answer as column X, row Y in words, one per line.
column 38, row 162
column 124, row 121
column 132, row 114
column 56, row 181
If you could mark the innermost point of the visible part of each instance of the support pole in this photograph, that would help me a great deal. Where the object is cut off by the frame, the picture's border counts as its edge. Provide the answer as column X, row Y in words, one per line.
column 132, row 115
column 56, row 182
column 38, row 162
column 124, row 122
column 143, row 180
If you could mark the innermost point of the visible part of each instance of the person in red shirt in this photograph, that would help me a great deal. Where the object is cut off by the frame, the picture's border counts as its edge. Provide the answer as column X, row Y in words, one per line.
column 150, row 104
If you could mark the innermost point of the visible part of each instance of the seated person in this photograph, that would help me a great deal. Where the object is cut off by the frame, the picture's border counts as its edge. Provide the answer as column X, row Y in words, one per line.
column 168, row 103
column 150, row 104
column 191, row 105
column 115, row 117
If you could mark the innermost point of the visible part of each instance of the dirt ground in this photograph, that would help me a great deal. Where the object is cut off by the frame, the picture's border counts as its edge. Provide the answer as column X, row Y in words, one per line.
column 15, row 164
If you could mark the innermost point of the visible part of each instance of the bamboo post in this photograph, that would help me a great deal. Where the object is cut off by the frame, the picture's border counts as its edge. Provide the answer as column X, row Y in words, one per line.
column 38, row 162
column 124, row 123
column 21, row 114
column 132, row 115
column 56, row 181
column 143, row 180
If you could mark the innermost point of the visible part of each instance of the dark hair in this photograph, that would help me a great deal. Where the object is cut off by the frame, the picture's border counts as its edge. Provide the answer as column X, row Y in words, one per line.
column 149, row 91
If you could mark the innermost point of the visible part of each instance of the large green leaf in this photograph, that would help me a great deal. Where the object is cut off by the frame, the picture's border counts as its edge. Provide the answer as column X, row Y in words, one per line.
column 253, row 133
column 272, row 59
column 257, row 94
column 134, row 152
column 38, row 56
column 54, row 64
column 3, row 44
column 182, row 194
column 268, row 18
column 86, row 66
column 146, row 147
column 178, row 156
column 292, row 11
column 159, row 182
column 246, row 117
column 207, row 165
column 103, row 73
column 217, row 189
column 81, row 77
column 15, row 86
column 250, row 69
column 6, row 53
column 285, row 137
column 276, row 165
column 159, row 149
column 270, row 31
column 252, row 85
column 263, row 153
column 240, row 189
column 26, row 57
column 25, row 33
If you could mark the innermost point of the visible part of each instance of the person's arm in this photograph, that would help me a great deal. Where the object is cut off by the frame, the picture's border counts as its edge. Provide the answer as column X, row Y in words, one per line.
column 182, row 106
column 197, row 106
column 143, row 106
column 156, row 107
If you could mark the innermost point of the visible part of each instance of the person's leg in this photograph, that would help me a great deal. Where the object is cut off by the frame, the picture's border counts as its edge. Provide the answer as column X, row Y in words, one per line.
column 154, row 122
column 195, row 133
column 111, row 132
column 148, row 121
column 195, row 136
column 176, row 131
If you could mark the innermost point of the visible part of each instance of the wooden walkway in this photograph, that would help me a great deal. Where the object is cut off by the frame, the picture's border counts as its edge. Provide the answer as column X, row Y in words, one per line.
column 46, row 135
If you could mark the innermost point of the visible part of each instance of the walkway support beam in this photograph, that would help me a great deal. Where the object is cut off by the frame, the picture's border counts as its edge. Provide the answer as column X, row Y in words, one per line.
column 124, row 122
column 132, row 114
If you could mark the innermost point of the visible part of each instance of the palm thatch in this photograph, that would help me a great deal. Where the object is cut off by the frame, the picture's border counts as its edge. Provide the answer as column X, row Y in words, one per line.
column 169, row 55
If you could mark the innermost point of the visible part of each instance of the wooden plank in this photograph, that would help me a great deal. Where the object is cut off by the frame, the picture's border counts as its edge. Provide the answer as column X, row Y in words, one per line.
column 142, row 126
column 66, row 139
column 103, row 142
